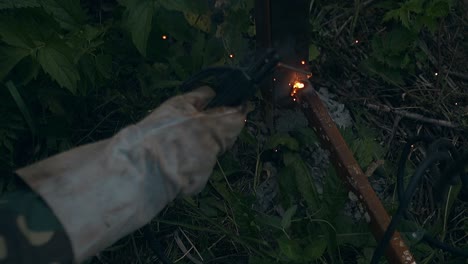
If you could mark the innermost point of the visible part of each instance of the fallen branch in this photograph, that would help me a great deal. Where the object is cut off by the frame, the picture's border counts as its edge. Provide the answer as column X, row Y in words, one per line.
column 410, row 115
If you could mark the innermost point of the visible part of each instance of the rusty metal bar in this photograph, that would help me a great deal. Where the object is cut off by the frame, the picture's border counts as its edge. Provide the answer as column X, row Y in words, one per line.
column 283, row 25
column 350, row 172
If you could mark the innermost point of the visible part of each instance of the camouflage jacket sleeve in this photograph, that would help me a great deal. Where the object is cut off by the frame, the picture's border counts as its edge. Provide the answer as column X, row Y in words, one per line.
column 30, row 232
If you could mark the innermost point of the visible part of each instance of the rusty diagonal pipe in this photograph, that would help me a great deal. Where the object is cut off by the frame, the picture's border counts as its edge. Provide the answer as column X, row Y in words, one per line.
column 271, row 16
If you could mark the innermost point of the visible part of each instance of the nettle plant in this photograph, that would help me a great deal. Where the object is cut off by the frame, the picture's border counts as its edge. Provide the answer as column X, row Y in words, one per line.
column 396, row 52
column 63, row 63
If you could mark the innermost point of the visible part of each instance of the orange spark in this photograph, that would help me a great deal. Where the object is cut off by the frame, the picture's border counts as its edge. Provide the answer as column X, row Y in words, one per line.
column 298, row 85
column 164, row 37
column 231, row 56
column 303, row 62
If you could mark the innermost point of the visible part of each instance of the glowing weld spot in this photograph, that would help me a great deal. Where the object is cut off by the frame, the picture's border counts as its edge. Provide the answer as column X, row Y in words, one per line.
column 298, row 85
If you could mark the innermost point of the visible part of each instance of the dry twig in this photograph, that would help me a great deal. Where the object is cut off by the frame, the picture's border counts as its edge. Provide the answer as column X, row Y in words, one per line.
column 410, row 115
column 184, row 249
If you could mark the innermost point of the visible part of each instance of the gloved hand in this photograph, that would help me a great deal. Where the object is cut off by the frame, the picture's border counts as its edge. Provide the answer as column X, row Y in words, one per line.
column 103, row 191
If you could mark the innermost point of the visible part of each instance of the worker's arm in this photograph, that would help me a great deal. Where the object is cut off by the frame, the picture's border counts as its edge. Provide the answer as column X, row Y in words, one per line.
column 103, row 191
column 29, row 230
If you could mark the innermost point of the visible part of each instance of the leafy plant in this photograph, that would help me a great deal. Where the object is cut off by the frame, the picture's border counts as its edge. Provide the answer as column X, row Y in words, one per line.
column 67, row 55
column 396, row 53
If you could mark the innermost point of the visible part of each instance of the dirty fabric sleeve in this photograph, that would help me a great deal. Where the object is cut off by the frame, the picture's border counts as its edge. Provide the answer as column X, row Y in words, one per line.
column 29, row 230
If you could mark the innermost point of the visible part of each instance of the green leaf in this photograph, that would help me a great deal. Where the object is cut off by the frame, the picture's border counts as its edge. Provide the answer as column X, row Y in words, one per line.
column 429, row 22
column 8, row 145
column 164, row 84
column 289, row 194
column 306, row 136
column 13, row 33
column 68, row 13
column 9, row 57
column 398, row 40
column 138, row 20
column 366, row 150
column 104, row 65
column 178, row 68
column 287, row 217
column 191, row 6
column 313, row 52
column 88, row 72
column 90, row 33
column 9, row 4
column 268, row 220
column 247, row 138
column 60, row 67
column 257, row 259
column 283, row 140
column 315, row 249
column 198, row 46
column 415, row 6
column 175, row 24
column 305, row 182
column 392, row 14
column 229, row 31
column 214, row 51
column 201, row 22
column 334, row 194
column 390, row 75
column 438, row 9
column 290, row 248
column 405, row 18
column 25, row 71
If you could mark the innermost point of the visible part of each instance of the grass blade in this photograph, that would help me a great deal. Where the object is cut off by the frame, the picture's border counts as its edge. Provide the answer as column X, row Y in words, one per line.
column 22, row 106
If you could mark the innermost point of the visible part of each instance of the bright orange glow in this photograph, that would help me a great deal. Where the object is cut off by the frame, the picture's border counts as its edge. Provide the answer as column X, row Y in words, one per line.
column 303, row 62
column 164, row 37
column 298, row 85
column 231, row 56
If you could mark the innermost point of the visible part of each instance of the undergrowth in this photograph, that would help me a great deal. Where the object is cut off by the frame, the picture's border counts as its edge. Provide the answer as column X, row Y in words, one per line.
column 74, row 72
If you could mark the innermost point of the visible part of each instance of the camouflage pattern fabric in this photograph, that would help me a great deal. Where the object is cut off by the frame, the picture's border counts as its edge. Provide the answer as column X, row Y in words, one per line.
column 30, row 232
